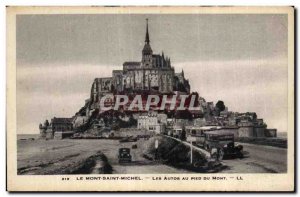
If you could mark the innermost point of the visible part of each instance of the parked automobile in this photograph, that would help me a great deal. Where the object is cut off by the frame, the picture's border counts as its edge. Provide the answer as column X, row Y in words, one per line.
column 134, row 146
column 177, row 131
column 224, row 143
column 124, row 155
column 211, row 138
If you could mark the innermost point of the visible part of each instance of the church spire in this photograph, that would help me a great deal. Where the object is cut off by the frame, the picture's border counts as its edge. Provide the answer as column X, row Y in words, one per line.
column 147, row 39
column 147, row 51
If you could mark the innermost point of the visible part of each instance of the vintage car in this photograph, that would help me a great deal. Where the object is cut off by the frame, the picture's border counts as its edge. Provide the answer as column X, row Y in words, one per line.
column 177, row 131
column 210, row 137
column 224, row 143
column 124, row 155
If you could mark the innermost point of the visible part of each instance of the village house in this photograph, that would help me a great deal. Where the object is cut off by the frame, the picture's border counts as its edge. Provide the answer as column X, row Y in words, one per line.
column 151, row 122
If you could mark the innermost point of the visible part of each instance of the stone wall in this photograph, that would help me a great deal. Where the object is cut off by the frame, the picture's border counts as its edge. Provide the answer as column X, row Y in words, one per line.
column 49, row 134
column 43, row 133
column 127, row 132
column 271, row 132
column 245, row 132
column 259, row 132
column 62, row 135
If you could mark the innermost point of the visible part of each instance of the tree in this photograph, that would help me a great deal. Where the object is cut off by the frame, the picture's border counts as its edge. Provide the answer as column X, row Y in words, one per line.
column 220, row 106
column 183, row 114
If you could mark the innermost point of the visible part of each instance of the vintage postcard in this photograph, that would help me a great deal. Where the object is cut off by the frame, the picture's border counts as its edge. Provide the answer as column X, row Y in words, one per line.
column 150, row 99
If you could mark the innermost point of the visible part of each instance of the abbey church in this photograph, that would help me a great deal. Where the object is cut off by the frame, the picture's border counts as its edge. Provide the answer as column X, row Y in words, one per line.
column 153, row 73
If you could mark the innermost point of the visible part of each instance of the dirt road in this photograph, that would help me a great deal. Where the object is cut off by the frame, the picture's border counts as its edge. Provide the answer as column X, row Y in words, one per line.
column 59, row 156
column 56, row 156
column 259, row 159
column 139, row 164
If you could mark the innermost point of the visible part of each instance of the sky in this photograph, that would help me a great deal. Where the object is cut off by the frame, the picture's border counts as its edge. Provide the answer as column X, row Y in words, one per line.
column 239, row 59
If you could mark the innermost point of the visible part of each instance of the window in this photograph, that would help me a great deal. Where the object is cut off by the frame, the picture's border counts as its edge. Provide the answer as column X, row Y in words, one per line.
column 151, row 128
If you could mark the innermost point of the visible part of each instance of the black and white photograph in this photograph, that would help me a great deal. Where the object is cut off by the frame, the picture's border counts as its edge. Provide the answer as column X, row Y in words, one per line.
column 145, row 96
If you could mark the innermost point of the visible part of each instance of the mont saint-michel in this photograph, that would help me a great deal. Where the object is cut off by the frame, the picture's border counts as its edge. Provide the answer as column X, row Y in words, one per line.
column 146, row 117
column 152, row 76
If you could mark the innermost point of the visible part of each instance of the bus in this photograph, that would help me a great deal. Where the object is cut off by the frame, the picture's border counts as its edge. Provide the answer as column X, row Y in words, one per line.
column 210, row 137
